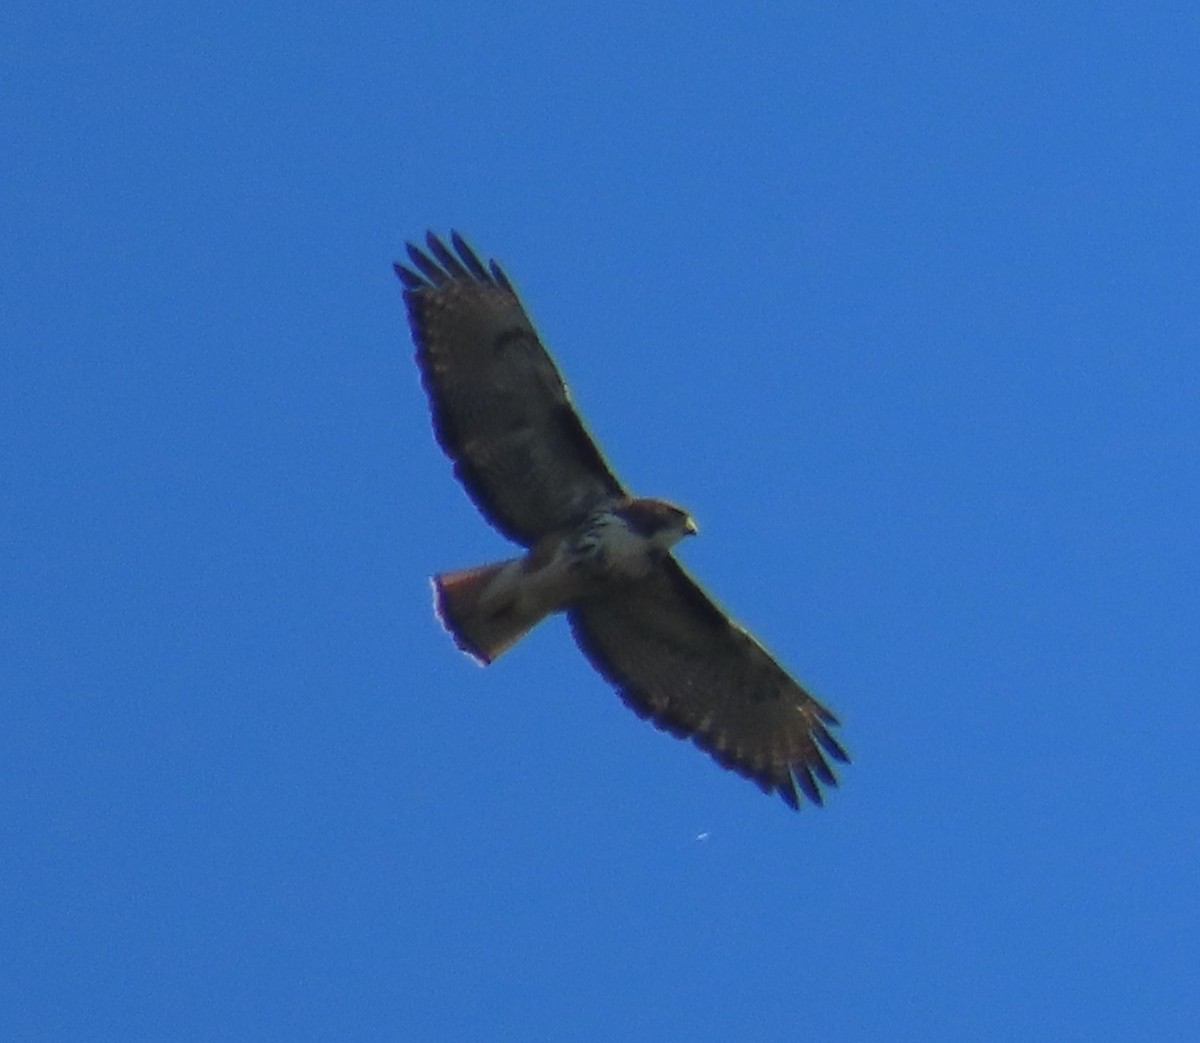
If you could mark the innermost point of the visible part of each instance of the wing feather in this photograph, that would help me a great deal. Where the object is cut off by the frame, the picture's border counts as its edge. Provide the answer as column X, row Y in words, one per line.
column 428, row 266
column 676, row 659
column 501, row 411
column 470, row 257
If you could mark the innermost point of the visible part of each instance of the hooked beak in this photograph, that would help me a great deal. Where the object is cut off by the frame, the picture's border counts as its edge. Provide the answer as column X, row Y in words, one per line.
column 690, row 528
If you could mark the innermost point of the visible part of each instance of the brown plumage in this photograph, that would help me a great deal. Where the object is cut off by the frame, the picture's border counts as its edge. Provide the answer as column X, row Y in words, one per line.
column 500, row 409
column 480, row 629
column 503, row 415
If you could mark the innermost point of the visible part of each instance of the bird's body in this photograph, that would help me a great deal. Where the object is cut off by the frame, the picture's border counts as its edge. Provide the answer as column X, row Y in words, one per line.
column 503, row 415
column 488, row 608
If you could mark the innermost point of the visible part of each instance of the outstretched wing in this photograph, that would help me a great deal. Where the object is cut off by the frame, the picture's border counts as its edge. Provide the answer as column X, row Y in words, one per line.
column 678, row 660
column 500, row 408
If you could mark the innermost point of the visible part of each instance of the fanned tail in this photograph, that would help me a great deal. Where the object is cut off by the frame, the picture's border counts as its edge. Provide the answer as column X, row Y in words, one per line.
column 482, row 608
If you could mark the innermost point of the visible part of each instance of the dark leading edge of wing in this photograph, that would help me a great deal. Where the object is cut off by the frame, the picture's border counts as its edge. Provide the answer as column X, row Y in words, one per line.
column 678, row 661
column 501, row 411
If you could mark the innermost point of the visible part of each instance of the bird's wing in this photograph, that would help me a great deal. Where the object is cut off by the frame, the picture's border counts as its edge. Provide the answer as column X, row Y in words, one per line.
column 678, row 660
column 500, row 408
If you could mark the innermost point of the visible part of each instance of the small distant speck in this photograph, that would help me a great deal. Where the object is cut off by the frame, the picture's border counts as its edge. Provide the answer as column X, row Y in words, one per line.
column 701, row 836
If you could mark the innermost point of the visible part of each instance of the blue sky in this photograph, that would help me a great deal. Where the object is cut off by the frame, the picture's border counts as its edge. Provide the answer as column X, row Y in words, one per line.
column 901, row 305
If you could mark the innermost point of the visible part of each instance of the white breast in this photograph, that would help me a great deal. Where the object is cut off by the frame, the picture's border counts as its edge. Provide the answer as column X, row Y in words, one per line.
column 607, row 543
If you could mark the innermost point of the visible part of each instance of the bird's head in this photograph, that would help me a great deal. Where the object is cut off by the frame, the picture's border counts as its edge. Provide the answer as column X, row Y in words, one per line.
column 661, row 522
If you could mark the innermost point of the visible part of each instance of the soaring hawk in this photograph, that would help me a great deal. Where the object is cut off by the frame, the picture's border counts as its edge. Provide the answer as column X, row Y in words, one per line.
column 504, row 417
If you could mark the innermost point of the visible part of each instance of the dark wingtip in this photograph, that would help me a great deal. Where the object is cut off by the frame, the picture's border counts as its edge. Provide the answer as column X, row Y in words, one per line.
column 787, row 793
column 823, row 771
column 409, row 278
column 432, row 273
column 469, row 257
column 450, row 264
column 500, row 278
column 438, row 264
column 803, row 779
column 831, row 746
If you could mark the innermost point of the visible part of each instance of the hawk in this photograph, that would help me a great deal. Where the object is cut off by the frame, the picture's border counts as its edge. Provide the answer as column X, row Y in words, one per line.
column 503, row 415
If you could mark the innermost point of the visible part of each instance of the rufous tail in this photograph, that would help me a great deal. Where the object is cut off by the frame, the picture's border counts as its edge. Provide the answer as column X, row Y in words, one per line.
column 481, row 608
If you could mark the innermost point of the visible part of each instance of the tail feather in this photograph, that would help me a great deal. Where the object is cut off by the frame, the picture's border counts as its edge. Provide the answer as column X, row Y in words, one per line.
column 482, row 610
